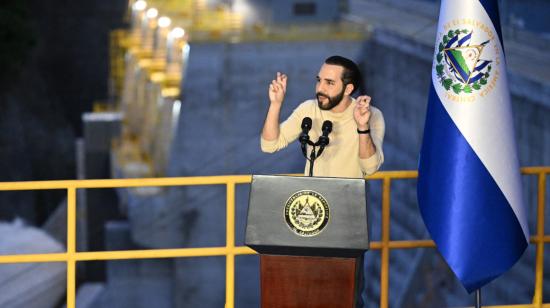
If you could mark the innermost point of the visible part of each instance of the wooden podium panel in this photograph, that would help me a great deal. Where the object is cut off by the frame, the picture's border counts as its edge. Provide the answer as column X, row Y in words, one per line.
column 307, row 282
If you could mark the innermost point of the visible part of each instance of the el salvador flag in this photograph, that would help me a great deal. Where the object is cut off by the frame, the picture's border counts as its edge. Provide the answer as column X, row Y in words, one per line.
column 469, row 186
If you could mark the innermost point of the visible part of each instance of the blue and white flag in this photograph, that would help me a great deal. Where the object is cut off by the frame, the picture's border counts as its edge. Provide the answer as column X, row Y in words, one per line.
column 469, row 186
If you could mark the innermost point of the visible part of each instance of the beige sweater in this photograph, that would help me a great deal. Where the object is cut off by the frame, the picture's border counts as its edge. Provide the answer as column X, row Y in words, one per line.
column 341, row 157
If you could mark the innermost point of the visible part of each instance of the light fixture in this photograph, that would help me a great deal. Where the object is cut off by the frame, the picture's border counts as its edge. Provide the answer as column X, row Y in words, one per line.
column 164, row 22
column 177, row 33
column 139, row 5
column 152, row 13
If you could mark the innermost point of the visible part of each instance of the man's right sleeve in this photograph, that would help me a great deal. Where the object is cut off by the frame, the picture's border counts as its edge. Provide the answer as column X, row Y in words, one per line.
column 289, row 130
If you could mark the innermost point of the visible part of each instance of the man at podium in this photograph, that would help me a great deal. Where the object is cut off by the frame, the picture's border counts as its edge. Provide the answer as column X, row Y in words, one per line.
column 355, row 148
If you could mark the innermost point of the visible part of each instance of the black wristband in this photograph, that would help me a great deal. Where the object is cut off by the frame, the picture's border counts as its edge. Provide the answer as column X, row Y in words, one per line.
column 367, row 131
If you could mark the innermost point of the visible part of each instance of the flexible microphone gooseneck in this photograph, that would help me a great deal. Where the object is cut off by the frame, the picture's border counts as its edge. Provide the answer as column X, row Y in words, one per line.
column 304, row 136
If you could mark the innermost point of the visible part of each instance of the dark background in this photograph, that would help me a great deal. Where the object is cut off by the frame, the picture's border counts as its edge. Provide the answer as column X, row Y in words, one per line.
column 54, row 61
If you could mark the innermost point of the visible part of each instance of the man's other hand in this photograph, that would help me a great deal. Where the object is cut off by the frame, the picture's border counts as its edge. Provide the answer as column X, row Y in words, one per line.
column 361, row 114
column 277, row 89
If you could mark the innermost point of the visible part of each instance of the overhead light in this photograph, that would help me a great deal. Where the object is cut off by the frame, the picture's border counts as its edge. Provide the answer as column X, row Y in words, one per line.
column 152, row 13
column 164, row 22
column 177, row 32
column 139, row 5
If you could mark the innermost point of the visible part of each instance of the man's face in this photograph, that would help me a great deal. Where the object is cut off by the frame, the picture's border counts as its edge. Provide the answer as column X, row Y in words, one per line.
column 329, row 88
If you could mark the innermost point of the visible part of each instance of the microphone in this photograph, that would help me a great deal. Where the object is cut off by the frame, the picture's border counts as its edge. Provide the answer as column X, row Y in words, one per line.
column 306, row 126
column 304, row 137
column 323, row 139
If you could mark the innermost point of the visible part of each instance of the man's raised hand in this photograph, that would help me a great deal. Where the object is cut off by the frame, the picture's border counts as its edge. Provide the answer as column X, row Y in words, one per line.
column 277, row 89
column 362, row 114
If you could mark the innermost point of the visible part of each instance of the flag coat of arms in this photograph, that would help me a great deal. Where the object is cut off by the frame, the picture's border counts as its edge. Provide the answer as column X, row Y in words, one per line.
column 469, row 186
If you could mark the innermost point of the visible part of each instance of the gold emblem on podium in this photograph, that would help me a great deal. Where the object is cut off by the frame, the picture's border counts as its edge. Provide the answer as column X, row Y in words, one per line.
column 307, row 213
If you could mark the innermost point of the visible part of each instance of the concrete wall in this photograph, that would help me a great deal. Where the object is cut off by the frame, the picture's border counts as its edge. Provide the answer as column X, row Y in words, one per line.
column 270, row 12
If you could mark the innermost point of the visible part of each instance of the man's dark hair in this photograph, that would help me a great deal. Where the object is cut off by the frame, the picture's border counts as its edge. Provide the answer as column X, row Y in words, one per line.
column 351, row 72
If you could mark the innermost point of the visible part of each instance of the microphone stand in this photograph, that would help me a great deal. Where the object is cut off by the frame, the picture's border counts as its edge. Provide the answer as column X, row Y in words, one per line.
column 312, row 158
column 305, row 142
column 314, row 154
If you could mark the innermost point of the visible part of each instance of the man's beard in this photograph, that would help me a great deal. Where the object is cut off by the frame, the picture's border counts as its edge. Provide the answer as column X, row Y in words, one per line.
column 332, row 101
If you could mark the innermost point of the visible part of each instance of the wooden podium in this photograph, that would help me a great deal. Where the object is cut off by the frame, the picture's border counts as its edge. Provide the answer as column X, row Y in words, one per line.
column 311, row 233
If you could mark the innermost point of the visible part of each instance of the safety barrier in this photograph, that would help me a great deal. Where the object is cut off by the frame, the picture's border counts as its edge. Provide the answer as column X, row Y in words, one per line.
column 385, row 245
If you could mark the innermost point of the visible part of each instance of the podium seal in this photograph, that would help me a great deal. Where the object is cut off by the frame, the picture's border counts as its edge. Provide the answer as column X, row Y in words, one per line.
column 307, row 213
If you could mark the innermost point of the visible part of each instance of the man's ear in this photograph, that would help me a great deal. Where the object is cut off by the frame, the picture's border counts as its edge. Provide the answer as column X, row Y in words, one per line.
column 349, row 89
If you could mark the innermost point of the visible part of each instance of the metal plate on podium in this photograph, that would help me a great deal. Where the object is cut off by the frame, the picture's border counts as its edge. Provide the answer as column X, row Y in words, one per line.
column 310, row 216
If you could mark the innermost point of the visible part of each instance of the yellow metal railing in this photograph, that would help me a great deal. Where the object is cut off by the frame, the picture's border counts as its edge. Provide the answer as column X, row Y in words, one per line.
column 71, row 256
column 385, row 244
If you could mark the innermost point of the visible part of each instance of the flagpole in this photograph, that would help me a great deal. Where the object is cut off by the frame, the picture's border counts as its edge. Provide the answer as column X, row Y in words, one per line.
column 478, row 298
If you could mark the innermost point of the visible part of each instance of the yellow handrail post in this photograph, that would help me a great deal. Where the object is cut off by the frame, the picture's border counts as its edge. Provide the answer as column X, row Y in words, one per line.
column 385, row 253
column 539, row 268
column 71, row 247
column 230, row 246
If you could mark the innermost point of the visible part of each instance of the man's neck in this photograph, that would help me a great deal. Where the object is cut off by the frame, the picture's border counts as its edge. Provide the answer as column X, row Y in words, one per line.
column 343, row 105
